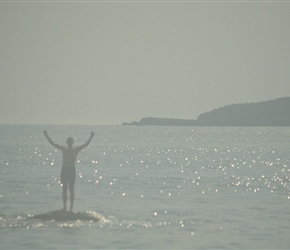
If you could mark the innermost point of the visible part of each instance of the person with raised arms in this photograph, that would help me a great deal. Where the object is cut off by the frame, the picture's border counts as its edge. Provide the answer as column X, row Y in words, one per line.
column 68, row 171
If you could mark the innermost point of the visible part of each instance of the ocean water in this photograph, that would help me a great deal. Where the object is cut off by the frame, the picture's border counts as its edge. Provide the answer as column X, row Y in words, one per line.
column 152, row 187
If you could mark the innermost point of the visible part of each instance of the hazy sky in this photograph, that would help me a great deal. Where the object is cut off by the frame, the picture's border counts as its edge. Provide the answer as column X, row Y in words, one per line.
column 111, row 62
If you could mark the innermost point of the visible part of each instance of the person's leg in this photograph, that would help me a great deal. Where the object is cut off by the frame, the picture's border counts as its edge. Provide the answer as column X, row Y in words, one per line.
column 64, row 195
column 72, row 194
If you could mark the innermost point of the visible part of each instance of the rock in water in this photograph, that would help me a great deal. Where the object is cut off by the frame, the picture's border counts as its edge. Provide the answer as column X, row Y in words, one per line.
column 61, row 215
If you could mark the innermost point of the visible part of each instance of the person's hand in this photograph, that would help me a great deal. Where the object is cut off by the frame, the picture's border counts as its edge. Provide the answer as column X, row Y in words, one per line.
column 92, row 134
column 45, row 133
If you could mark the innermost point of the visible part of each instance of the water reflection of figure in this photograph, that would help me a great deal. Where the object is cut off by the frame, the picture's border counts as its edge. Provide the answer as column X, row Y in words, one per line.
column 68, row 172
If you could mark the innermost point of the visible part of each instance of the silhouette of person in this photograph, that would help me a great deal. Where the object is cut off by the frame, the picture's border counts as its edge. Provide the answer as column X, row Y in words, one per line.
column 68, row 171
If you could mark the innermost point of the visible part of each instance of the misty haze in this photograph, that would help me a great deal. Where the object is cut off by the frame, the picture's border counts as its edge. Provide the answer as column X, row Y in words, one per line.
column 202, row 89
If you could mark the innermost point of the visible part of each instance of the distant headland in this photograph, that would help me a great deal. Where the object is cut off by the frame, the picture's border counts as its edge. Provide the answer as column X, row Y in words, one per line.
column 269, row 113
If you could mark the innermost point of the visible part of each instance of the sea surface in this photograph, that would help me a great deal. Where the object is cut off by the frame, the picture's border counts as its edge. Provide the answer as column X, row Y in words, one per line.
column 152, row 187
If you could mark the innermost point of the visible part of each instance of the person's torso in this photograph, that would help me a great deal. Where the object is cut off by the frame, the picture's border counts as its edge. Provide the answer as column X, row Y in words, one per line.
column 69, row 157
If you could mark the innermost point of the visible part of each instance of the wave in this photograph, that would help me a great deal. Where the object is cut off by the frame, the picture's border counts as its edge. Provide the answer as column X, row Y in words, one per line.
column 63, row 219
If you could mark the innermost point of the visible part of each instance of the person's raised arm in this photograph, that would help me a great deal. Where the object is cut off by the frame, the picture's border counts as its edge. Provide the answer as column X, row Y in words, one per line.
column 52, row 142
column 79, row 148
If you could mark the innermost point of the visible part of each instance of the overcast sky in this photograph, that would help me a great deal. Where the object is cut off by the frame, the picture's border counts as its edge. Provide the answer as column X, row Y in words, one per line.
column 114, row 62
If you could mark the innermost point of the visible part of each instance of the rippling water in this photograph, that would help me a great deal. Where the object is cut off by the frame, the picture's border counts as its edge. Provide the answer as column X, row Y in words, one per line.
column 152, row 187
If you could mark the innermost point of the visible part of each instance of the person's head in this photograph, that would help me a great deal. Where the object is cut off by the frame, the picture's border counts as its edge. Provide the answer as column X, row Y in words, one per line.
column 69, row 141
